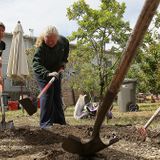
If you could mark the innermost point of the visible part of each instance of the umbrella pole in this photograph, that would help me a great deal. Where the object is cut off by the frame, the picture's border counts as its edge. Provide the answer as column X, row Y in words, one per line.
column 22, row 96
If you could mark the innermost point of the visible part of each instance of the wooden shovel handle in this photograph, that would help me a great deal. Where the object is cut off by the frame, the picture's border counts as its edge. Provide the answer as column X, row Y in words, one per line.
column 152, row 118
column 136, row 37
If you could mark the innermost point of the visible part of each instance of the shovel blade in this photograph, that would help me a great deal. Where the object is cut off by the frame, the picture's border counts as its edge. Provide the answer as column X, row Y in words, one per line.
column 143, row 133
column 29, row 105
column 6, row 125
column 74, row 145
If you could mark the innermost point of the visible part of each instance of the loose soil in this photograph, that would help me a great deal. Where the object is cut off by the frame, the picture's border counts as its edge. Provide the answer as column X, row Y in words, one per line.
column 28, row 142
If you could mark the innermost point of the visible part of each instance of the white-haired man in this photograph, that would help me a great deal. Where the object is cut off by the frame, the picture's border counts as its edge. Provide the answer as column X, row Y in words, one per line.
column 51, row 55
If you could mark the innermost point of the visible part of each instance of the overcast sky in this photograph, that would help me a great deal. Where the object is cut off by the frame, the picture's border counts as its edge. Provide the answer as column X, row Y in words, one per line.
column 37, row 14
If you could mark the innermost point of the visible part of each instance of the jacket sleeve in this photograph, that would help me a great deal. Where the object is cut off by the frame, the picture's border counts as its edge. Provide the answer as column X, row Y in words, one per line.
column 66, row 52
column 38, row 66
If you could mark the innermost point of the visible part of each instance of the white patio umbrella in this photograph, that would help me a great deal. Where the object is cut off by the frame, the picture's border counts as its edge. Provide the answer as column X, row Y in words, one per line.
column 17, row 64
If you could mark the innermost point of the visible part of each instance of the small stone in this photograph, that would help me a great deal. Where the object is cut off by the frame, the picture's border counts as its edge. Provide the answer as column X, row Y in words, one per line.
column 148, row 139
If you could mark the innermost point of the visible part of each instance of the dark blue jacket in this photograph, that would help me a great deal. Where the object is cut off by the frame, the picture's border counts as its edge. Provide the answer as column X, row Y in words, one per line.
column 48, row 59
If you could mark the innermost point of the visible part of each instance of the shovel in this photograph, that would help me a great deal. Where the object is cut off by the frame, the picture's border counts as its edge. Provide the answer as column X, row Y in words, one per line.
column 142, row 130
column 5, row 125
column 75, row 145
column 31, row 105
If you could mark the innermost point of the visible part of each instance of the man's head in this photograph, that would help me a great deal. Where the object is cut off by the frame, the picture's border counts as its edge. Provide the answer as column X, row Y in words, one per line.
column 2, row 30
column 51, row 36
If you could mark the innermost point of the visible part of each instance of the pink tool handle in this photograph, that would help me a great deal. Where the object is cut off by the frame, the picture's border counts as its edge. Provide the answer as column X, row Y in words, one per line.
column 48, row 85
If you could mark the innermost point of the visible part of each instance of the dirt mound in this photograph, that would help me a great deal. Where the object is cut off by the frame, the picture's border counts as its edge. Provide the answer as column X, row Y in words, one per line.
column 36, row 144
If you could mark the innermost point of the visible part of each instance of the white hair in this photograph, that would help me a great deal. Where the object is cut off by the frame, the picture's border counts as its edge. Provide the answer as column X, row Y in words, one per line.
column 50, row 30
column 47, row 31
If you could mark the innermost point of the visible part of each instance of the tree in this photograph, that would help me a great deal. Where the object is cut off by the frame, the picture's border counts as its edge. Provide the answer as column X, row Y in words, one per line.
column 101, row 37
column 32, row 84
column 146, row 66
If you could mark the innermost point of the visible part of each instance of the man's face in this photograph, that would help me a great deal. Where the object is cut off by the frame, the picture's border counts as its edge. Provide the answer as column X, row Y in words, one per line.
column 51, row 40
column 1, row 32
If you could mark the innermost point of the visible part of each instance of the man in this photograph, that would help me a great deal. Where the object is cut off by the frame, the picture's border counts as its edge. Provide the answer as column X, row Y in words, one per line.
column 50, row 56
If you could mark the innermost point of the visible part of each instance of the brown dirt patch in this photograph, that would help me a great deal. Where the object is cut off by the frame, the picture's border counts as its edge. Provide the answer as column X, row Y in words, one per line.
column 33, row 143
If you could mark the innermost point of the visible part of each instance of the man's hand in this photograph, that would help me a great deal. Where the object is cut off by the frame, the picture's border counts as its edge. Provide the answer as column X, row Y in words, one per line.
column 53, row 74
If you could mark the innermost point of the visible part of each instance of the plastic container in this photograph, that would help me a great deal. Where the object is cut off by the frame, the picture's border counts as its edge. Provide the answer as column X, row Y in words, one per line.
column 127, row 94
column 13, row 105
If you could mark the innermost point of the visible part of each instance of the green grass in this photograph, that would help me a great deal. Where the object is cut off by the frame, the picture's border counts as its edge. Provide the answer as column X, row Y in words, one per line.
column 146, row 110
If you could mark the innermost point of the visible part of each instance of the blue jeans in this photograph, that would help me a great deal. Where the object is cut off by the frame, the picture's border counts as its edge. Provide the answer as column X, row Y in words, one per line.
column 51, row 106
